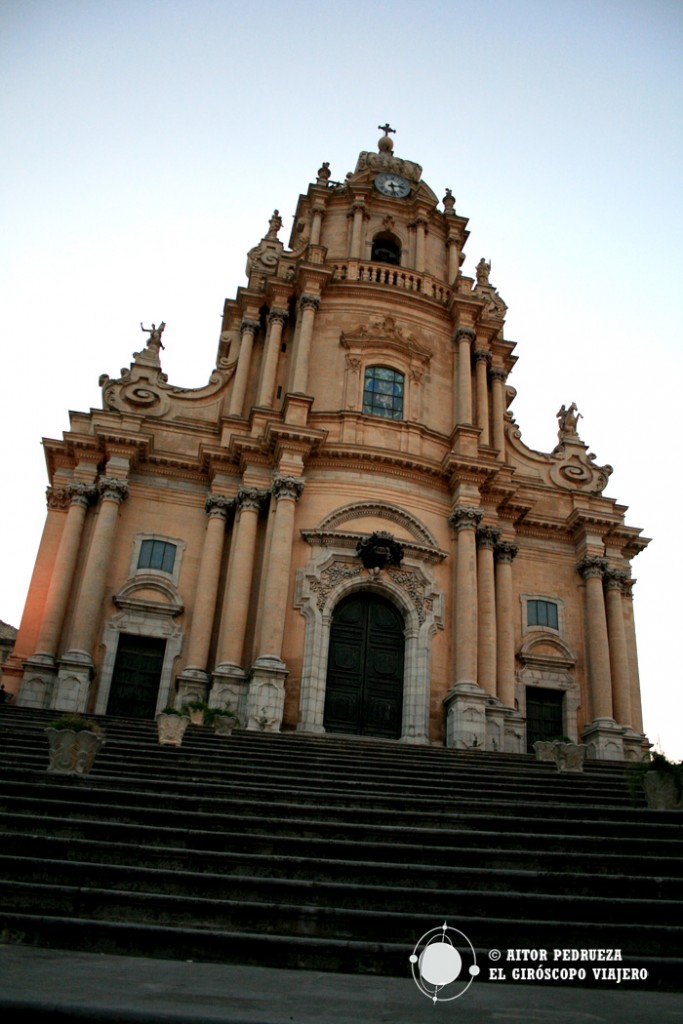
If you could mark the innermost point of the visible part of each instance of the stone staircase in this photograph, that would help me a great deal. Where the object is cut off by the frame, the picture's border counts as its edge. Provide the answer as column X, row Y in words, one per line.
column 328, row 853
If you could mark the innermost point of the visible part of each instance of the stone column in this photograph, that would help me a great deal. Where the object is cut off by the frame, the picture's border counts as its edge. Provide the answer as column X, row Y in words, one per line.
column 356, row 230
column 229, row 676
column 316, row 225
column 498, row 378
column 465, row 521
column 630, row 630
column 80, row 497
column 248, row 329
column 420, row 241
column 453, row 260
column 487, row 538
column 614, row 580
column 592, row 569
column 463, row 338
column 267, row 682
column 194, row 680
column 308, row 306
column 603, row 736
column 505, row 553
column 76, row 665
column 277, row 318
column 39, row 671
column 482, row 359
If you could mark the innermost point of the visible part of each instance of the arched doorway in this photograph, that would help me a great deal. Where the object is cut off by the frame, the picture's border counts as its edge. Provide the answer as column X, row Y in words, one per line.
column 364, row 691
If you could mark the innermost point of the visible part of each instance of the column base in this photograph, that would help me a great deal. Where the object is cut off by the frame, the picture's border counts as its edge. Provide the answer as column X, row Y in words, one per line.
column 38, row 681
column 192, row 684
column 229, row 689
column 76, row 672
column 466, row 716
column 604, row 739
column 266, row 695
column 636, row 745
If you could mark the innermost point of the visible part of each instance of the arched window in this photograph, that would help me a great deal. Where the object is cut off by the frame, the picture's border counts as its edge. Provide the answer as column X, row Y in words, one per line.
column 386, row 249
column 383, row 392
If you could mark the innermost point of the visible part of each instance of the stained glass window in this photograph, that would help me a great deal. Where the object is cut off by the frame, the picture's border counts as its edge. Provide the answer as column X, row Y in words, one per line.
column 157, row 554
column 383, row 392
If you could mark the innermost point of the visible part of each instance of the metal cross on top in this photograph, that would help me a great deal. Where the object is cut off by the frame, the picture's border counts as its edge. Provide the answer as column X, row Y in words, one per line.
column 386, row 129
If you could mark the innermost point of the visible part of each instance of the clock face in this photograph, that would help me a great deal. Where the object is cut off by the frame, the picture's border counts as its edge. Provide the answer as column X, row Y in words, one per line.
column 392, row 185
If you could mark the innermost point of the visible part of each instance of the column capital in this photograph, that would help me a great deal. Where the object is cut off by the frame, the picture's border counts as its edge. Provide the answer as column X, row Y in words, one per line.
column 287, row 487
column 217, row 506
column 464, row 332
column 615, row 579
column 82, row 494
column 487, row 537
column 57, row 498
column 113, row 488
column 497, row 373
column 592, row 565
column 464, row 517
column 482, row 355
column 278, row 316
column 251, row 497
column 251, row 326
column 506, row 551
column 309, row 302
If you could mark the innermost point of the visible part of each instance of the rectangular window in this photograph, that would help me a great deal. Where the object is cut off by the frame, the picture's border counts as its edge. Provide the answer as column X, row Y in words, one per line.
column 157, row 554
column 542, row 613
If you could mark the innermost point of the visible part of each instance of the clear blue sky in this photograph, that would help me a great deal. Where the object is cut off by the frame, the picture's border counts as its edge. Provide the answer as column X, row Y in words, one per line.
column 145, row 145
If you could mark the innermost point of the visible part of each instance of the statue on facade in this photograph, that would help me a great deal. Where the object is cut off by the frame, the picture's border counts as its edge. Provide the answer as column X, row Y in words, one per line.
column 567, row 420
column 275, row 223
column 483, row 271
column 154, row 340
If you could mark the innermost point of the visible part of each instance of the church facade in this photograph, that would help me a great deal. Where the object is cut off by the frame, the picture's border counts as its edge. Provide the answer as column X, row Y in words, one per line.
column 343, row 531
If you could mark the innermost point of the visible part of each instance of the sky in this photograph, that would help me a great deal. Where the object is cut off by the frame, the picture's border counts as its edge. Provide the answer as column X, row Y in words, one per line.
column 145, row 144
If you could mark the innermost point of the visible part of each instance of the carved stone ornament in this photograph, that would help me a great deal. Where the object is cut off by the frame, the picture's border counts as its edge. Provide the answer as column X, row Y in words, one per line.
column 218, row 505
column 592, row 565
column 506, row 551
column 82, row 494
column 380, row 550
column 386, row 332
column 57, row 499
column 466, row 518
column 309, row 302
column 251, row 326
column 110, row 487
column 487, row 537
column 464, row 332
column 573, row 465
column 250, row 498
column 615, row 579
column 278, row 316
column 287, row 487
column 385, row 161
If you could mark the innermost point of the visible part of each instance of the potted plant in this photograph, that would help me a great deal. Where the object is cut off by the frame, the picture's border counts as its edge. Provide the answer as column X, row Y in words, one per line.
column 73, row 742
column 224, row 720
column 199, row 712
column 661, row 780
column 171, row 726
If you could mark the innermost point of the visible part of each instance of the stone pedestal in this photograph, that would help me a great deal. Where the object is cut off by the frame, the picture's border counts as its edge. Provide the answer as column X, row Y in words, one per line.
column 230, row 689
column 466, row 716
column 38, row 683
column 76, row 671
column 266, row 694
column 192, row 684
column 635, row 745
column 604, row 740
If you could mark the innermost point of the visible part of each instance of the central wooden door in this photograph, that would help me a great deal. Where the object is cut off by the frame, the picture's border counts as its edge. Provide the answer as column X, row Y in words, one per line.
column 543, row 715
column 364, row 693
column 137, row 674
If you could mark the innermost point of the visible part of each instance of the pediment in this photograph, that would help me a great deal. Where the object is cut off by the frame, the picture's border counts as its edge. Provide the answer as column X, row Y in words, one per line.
column 545, row 649
column 344, row 527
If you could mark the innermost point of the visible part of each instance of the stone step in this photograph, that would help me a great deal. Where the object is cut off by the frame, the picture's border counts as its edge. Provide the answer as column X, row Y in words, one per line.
column 295, row 857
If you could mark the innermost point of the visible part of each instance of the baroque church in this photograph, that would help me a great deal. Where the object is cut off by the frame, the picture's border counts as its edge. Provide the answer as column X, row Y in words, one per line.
column 343, row 531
